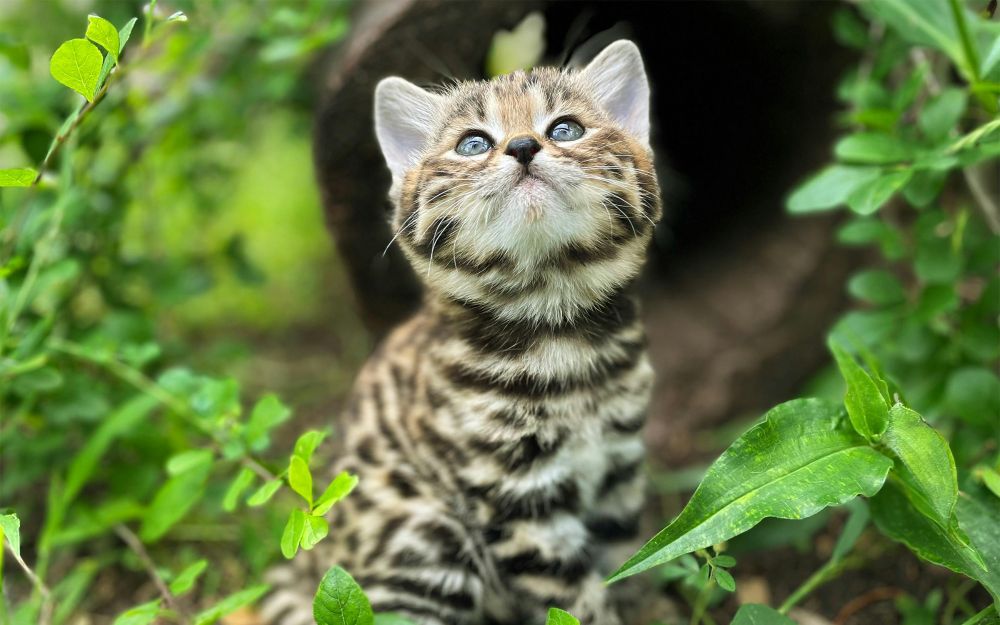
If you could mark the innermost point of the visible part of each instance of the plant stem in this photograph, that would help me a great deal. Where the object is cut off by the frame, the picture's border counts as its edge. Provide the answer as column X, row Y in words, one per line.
column 136, row 545
column 829, row 571
column 971, row 58
column 45, row 612
column 979, row 616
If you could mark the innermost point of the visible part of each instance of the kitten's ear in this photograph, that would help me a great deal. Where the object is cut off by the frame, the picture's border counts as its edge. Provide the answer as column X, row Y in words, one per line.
column 618, row 81
column 404, row 119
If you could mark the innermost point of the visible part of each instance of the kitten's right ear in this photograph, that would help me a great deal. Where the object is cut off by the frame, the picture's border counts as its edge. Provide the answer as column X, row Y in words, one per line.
column 404, row 120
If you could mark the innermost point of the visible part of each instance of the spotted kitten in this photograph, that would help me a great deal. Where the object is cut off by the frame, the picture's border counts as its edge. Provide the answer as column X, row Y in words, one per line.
column 496, row 434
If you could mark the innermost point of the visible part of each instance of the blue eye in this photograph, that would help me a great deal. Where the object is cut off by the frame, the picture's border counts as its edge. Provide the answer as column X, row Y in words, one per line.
column 473, row 144
column 565, row 130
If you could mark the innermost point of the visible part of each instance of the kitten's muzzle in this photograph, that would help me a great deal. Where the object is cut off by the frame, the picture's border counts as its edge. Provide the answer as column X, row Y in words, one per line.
column 523, row 149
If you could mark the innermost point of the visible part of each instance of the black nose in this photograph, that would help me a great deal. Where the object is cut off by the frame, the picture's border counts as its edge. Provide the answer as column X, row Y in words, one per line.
column 523, row 149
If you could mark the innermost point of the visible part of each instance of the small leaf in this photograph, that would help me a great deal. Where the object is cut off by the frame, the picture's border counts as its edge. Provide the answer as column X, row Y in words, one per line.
column 829, row 188
column 755, row 614
column 140, row 615
column 316, row 529
column 77, row 64
column 292, row 534
column 187, row 460
column 185, row 579
column 267, row 414
column 864, row 401
column 941, row 114
column 242, row 482
column 725, row 580
column 103, row 33
column 724, row 561
column 173, row 501
column 560, row 617
column 856, row 523
column 307, row 444
column 340, row 601
column 802, row 458
column 264, row 493
column 872, row 148
column 300, row 479
column 230, row 604
column 870, row 196
column 926, row 467
column 18, row 177
column 989, row 478
column 340, row 487
column 125, row 33
column 10, row 528
column 973, row 394
column 876, row 286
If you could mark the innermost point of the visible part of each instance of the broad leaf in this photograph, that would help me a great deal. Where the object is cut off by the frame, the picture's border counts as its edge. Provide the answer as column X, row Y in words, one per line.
column 756, row 614
column 185, row 579
column 300, row 479
column 802, row 458
column 924, row 22
column 103, row 33
column 340, row 601
column 19, row 177
column 925, row 465
column 187, row 460
column 941, row 114
column 174, row 499
column 316, row 529
column 77, row 64
column 896, row 517
column 340, row 487
column 292, row 534
column 231, row 603
column 865, row 403
column 268, row 413
column 876, row 286
column 978, row 517
column 239, row 484
column 872, row 148
column 829, row 188
column 560, row 617
column 870, row 196
column 264, row 493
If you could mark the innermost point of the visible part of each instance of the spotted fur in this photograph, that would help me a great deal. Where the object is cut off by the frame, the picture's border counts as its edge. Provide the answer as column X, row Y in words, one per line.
column 496, row 434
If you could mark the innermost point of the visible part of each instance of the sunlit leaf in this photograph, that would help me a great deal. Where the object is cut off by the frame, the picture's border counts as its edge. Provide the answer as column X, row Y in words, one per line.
column 230, row 604
column 560, row 617
column 340, row 601
column 186, row 579
column 18, row 177
column 103, row 33
column 77, row 64
column 340, row 487
column 291, row 536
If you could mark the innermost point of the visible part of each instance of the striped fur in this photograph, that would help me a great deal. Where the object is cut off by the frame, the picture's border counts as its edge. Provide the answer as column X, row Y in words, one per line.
column 496, row 434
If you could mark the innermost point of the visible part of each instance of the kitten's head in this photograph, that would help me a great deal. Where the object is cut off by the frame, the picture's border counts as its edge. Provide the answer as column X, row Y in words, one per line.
column 531, row 192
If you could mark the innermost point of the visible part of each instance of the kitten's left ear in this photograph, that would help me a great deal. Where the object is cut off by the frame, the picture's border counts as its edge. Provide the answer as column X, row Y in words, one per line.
column 404, row 120
column 618, row 81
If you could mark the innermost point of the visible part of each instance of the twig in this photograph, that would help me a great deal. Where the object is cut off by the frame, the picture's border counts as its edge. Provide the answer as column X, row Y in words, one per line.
column 984, row 199
column 136, row 545
column 45, row 613
column 860, row 603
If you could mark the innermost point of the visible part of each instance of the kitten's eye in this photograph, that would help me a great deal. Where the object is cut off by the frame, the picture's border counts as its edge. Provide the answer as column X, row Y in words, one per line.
column 565, row 130
column 473, row 144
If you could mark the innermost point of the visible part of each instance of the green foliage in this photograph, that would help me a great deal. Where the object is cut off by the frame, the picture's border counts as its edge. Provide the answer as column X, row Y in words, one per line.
column 340, row 601
column 756, row 614
column 560, row 617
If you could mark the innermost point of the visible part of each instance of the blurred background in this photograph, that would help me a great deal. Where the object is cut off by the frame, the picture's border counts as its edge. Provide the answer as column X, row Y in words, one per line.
column 223, row 209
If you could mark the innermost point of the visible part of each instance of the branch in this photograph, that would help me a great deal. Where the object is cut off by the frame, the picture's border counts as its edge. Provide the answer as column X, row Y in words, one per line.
column 45, row 615
column 136, row 545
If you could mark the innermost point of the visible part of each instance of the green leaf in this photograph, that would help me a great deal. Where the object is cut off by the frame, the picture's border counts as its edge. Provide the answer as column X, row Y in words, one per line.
column 924, row 187
column 876, row 286
column 926, row 23
column 118, row 423
column 725, row 580
column 870, row 196
column 140, row 615
column 10, row 528
column 292, row 534
column 973, row 394
column 103, row 33
column 756, row 614
column 242, row 482
column 267, row 414
column 300, row 479
column 230, row 604
column 896, row 517
column 185, row 579
column 872, row 148
column 340, row 487
column 17, row 177
column 829, row 188
column 125, row 33
column 264, row 493
column 187, row 460
column 855, row 524
column 340, row 601
column 174, row 499
column 560, row 617
column 865, row 403
column 989, row 478
column 77, row 64
column 802, row 458
column 316, row 529
column 724, row 561
column 978, row 517
column 926, row 467
column 941, row 114
column 307, row 444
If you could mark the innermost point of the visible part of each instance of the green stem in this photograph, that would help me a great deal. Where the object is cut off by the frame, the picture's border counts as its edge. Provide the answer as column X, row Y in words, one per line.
column 829, row 571
column 979, row 617
column 971, row 58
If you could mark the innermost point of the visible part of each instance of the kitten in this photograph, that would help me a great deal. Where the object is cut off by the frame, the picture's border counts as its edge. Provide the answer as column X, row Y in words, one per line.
column 496, row 434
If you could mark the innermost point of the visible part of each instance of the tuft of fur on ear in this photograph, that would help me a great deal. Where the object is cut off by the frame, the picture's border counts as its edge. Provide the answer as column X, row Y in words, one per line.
column 618, row 81
column 404, row 120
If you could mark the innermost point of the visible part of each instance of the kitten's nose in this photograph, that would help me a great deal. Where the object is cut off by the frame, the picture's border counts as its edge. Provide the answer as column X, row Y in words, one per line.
column 523, row 149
